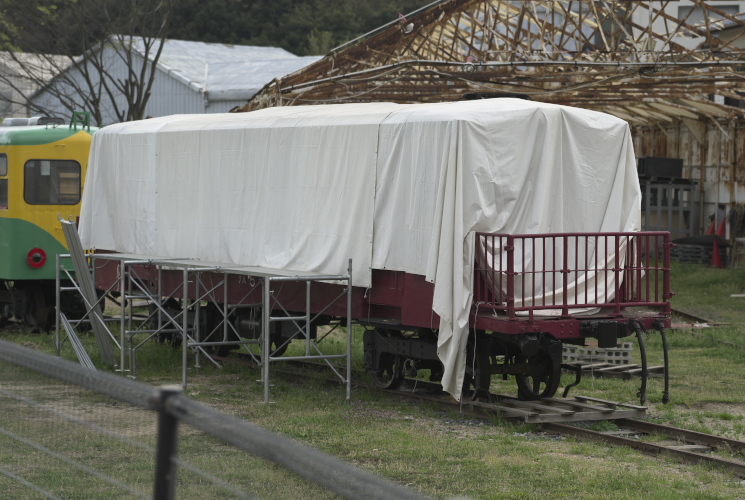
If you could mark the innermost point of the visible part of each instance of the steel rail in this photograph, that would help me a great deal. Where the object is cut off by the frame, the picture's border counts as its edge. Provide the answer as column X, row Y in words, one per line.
column 683, row 434
column 646, row 447
column 690, row 316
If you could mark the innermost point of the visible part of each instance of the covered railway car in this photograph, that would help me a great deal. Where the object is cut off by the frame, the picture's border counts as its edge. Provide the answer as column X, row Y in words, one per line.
column 484, row 234
column 42, row 169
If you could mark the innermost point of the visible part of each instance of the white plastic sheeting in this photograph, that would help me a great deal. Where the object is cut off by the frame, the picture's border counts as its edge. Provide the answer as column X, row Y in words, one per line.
column 398, row 187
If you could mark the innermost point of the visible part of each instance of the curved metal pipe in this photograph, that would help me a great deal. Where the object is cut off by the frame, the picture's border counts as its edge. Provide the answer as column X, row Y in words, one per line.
column 666, row 394
column 639, row 330
column 578, row 377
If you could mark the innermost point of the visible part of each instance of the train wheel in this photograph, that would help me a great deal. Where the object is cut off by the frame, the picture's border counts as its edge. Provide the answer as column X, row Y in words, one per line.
column 542, row 381
column 389, row 374
column 38, row 311
column 279, row 347
column 478, row 374
column 6, row 312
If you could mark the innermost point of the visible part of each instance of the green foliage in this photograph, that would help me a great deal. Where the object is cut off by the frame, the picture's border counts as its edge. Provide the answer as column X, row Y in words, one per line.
column 320, row 42
column 705, row 291
column 303, row 27
column 603, row 425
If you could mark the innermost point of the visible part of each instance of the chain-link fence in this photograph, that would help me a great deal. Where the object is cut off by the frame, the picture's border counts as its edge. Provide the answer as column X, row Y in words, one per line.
column 66, row 432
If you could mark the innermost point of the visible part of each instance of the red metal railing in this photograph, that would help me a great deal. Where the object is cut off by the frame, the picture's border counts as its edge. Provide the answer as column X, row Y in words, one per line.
column 563, row 272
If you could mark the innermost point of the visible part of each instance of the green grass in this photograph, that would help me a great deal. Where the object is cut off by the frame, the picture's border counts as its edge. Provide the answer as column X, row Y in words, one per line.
column 441, row 454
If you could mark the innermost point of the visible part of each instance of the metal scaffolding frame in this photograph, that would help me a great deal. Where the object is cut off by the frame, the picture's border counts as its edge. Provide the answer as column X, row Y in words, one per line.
column 194, row 290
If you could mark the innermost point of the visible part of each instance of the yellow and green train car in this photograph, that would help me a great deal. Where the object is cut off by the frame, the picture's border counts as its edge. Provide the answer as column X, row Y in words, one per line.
column 42, row 170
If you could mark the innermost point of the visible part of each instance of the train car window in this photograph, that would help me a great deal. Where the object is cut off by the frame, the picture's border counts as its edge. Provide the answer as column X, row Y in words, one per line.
column 51, row 182
column 3, row 194
column 3, row 165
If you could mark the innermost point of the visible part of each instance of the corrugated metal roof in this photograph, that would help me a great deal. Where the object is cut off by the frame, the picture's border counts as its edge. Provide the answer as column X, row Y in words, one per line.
column 225, row 71
column 242, row 80
column 723, row 24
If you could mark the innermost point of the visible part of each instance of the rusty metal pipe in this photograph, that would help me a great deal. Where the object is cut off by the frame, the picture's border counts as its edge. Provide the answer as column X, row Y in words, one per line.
column 666, row 394
column 639, row 330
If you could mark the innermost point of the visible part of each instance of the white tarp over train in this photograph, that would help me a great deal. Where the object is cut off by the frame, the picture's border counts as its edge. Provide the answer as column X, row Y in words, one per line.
column 398, row 187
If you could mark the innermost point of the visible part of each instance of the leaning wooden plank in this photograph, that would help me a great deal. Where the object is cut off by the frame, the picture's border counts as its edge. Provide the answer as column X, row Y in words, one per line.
column 651, row 370
column 536, row 405
column 577, row 404
column 606, row 402
column 595, row 366
column 616, row 368
column 508, row 411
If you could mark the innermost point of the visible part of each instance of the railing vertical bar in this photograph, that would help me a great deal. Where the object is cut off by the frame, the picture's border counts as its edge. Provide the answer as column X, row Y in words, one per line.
column 596, row 271
column 586, row 269
column 491, row 274
column 666, row 271
column 522, row 272
column 565, row 271
column 643, row 284
column 554, row 285
column 478, row 291
column 605, row 270
column 534, row 272
column 657, row 270
column 495, row 292
column 617, row 276
column 510, row 277
column 500, row 276
column 576, row 269
column 632, row 284
column 543, row 274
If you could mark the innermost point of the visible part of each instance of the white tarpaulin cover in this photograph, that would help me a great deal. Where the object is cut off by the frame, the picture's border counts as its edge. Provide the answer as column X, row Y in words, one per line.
column 398, row 187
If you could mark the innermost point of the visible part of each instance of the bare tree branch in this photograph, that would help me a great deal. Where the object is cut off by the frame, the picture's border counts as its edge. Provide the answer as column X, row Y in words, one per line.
column 90, row 41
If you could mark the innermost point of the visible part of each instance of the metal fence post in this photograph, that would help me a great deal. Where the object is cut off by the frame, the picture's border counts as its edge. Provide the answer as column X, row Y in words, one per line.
column 164, row 485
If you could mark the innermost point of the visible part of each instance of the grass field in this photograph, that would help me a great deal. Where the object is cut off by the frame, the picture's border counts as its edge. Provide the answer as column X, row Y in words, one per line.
column 441, row 454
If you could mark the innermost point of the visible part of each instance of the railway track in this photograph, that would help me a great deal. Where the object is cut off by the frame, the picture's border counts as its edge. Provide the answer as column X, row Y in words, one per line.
column 680, row 444
column 697, row 447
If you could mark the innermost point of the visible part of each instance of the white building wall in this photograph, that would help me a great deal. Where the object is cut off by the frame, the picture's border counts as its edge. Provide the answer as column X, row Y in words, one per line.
column 13, row 91
column 170, row 94
column 11, row 97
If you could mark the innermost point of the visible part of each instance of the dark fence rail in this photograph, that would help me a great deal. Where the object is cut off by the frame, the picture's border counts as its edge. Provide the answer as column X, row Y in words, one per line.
column 174, row 408
column 571, row 271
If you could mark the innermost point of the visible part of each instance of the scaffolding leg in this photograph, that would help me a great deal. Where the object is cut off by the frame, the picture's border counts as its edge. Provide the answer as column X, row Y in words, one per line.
column 57, row 340
column 185, row 326
column 349, row 332
column 122, row 325
column 265, row 346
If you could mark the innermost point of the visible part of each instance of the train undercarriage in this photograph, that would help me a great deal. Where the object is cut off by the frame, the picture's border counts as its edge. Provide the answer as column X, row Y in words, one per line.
column 514, row 331
column 32, row 303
